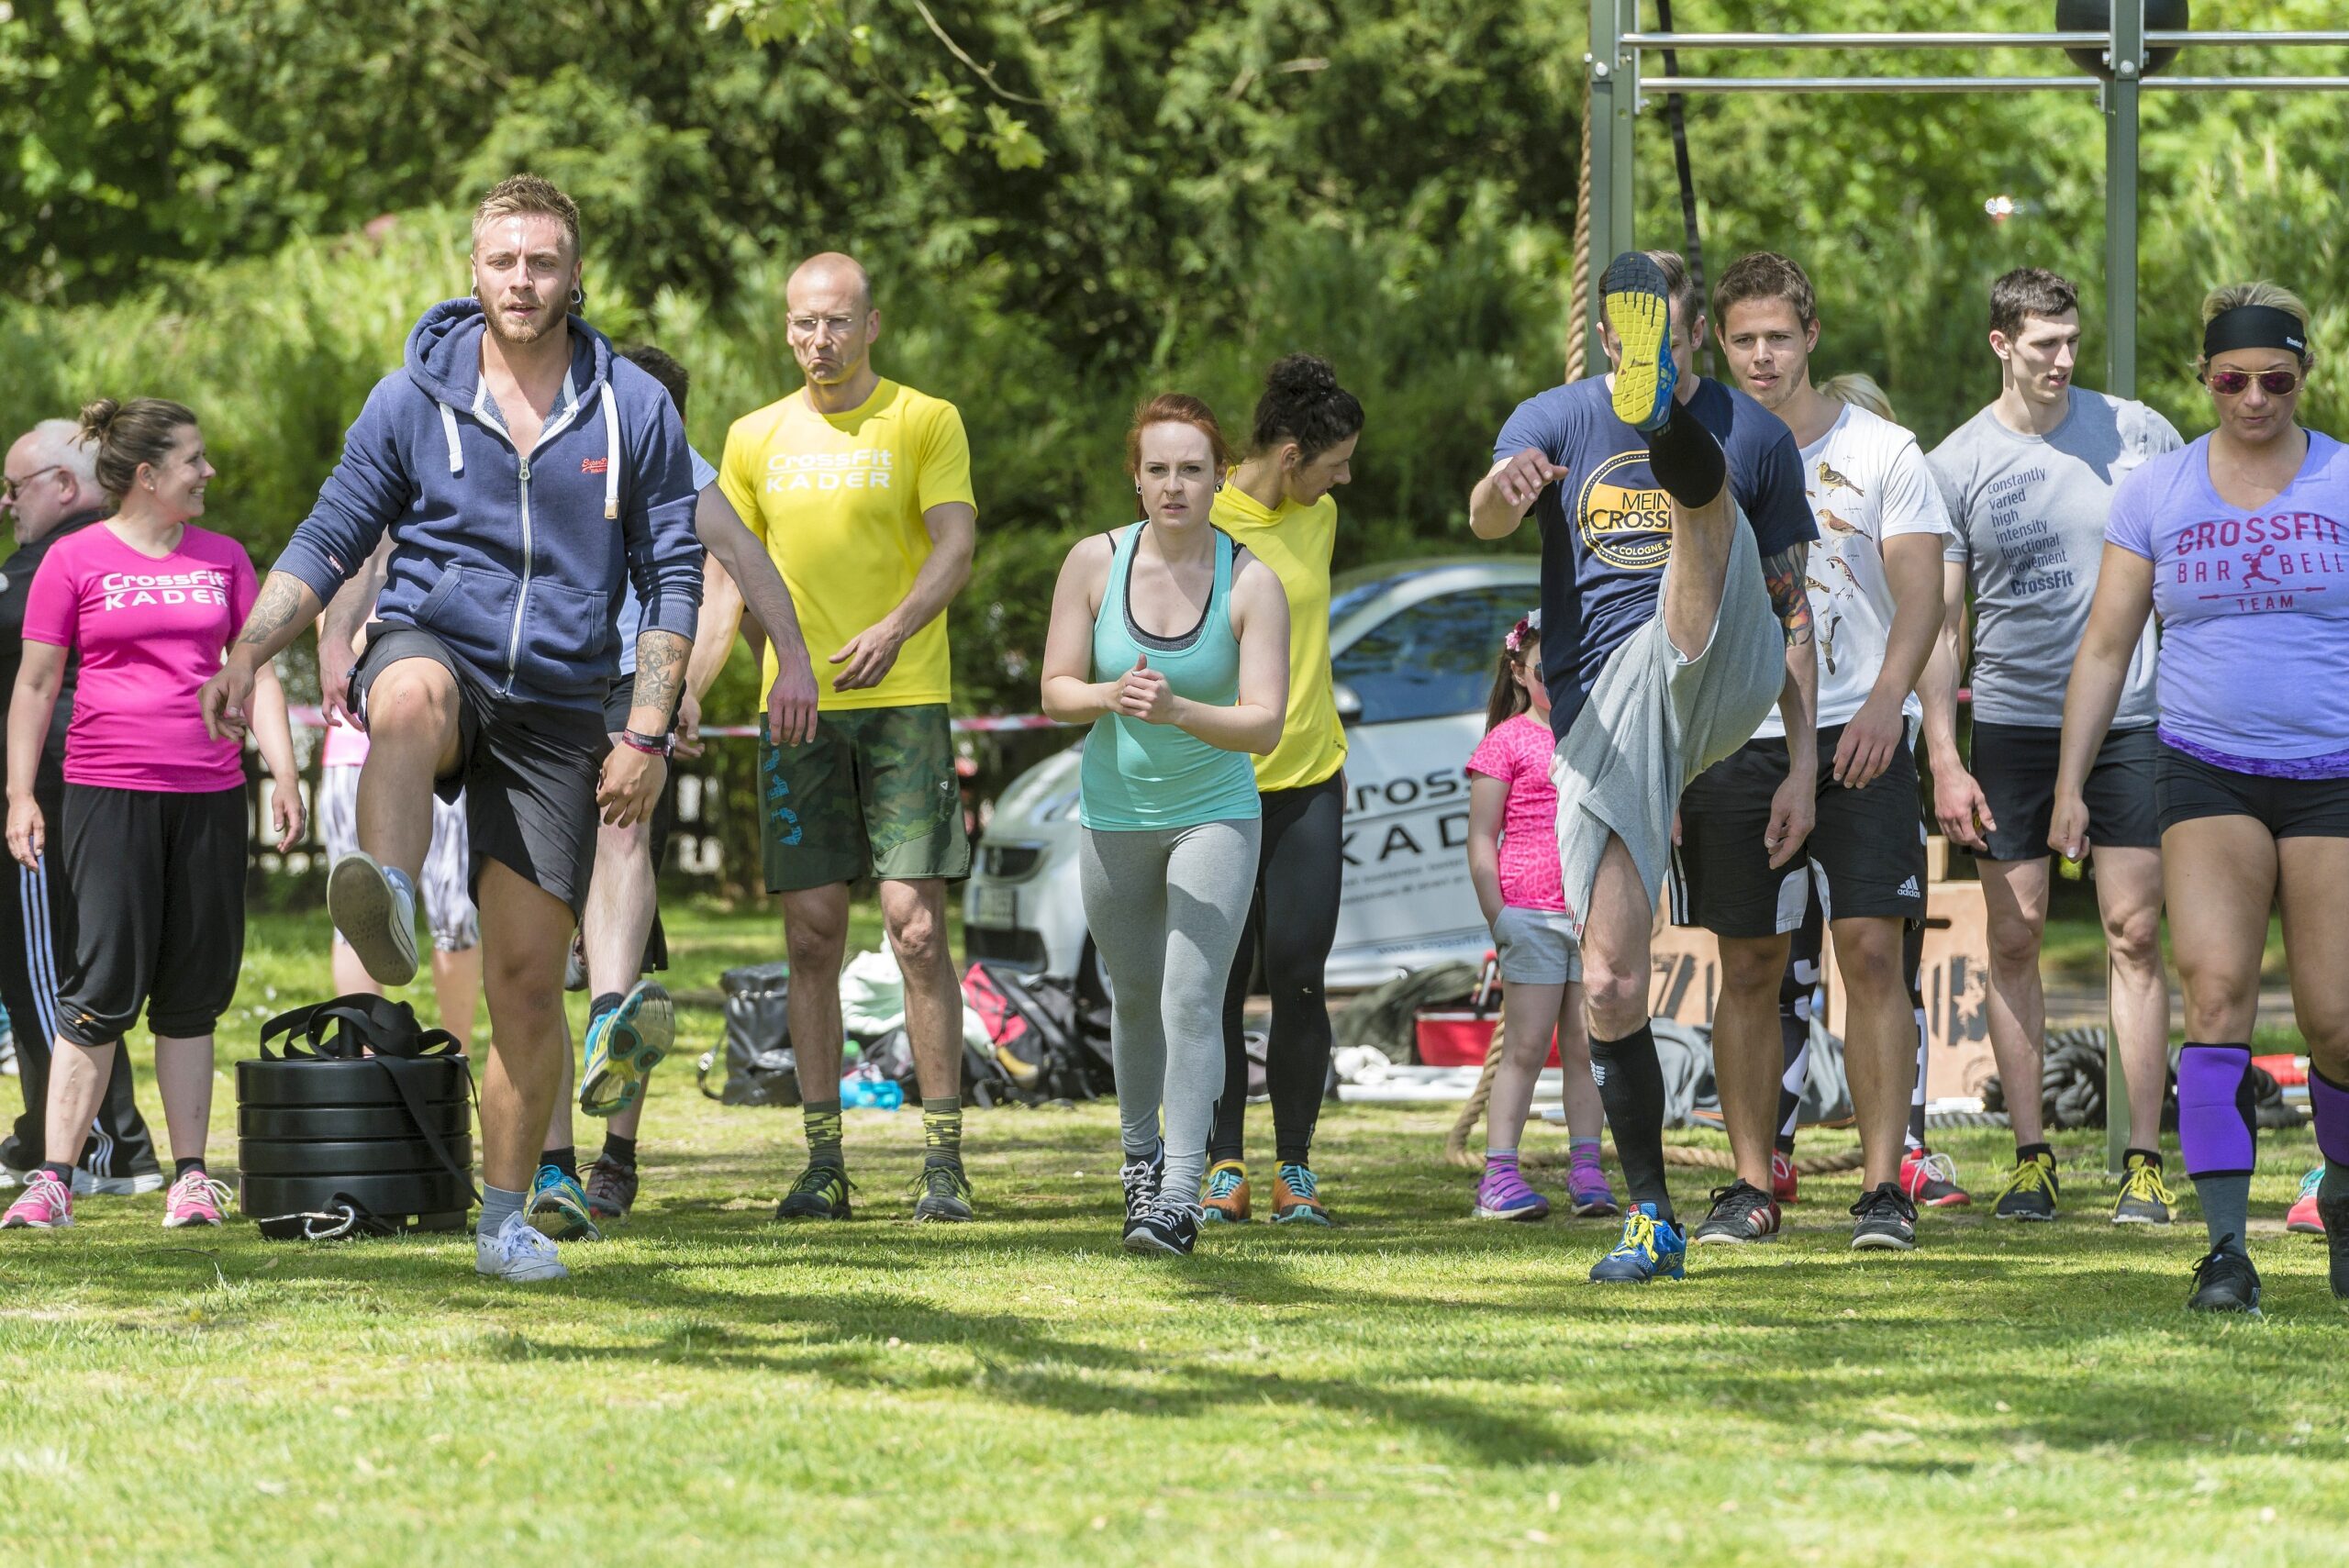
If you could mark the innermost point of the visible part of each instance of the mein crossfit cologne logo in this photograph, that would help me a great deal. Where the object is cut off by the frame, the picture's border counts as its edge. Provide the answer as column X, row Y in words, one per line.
column 1626, row 526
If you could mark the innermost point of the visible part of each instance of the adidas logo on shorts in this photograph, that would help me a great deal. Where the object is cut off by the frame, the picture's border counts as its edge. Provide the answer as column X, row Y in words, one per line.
column 1909, row 889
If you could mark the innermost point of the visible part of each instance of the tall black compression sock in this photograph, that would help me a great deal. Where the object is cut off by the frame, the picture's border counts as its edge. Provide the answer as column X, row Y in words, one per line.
column 1686, row 459
column 1631, row 1086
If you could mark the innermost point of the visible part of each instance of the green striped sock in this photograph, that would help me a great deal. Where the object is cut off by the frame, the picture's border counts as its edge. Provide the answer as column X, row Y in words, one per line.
column 942, row 1131
column 823, row 1120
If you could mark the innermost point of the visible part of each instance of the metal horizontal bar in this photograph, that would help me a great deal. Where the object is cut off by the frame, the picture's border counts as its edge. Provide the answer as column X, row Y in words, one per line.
column 1866, row 41
column 1971, row 40
column 2227, row 40
column 2256, row 83
column 1872, row 83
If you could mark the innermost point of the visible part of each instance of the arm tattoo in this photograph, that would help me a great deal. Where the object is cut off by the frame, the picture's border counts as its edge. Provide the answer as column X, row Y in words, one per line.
column 660, row 670
column 1783, row 574
column 279, row 607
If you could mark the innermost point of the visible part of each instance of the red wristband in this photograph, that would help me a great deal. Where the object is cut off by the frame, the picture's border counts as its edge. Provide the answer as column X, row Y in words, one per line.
column 646, row 744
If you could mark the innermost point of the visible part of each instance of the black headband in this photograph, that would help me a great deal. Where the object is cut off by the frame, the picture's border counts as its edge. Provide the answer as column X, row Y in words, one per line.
column 2255, row 327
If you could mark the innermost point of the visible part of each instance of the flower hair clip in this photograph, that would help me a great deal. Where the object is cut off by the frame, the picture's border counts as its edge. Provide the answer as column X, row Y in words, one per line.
column 1515, row 640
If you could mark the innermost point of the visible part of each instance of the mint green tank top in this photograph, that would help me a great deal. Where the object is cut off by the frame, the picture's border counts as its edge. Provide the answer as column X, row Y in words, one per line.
column 1139, row 777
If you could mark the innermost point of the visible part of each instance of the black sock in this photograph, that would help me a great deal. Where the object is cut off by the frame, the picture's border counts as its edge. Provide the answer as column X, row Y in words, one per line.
column 62, row 1171
column 566, row 1159
column 2033, row 1151
column 620, row 1150
column 182, row 1167
column 1631, row 1086
column 2150, row 1156
column 1686, row 459
column 608, row 1001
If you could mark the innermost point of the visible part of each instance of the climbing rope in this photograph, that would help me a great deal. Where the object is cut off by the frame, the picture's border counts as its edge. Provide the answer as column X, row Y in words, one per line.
column 1579, row 310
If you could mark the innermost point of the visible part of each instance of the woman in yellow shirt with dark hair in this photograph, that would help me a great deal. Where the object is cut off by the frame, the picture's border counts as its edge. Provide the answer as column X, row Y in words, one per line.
column 1277, row 504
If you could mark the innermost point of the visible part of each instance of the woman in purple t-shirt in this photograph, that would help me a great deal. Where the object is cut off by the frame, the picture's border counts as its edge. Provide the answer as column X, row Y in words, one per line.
column 2239, row 543
column 153, row 841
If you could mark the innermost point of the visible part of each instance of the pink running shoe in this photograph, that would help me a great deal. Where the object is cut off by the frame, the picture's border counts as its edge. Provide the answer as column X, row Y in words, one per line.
column 2304, row 1219
column 47, row 1205
column 1503, row 1194
column 194, row 1199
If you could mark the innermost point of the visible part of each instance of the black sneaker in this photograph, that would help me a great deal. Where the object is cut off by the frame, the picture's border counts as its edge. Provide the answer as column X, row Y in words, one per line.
column 1142, row 1178
column 2225, row 1281
column 1741, row 1212
column 1884, row 1221
column 2334, row 1213
column 2031, row 1191
column 1164, row 1225
column 945, row 1194
column 821, row 1193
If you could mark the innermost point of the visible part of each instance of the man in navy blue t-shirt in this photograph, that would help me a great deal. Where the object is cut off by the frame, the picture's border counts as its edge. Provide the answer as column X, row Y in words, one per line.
column 1674, row 529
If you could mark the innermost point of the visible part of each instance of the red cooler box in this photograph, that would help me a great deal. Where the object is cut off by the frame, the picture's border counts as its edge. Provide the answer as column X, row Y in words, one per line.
column 1459, row 1038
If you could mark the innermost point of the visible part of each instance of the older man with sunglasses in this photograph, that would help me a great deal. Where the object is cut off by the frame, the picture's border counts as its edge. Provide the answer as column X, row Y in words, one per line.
column 51, row 489
column 2030, row 481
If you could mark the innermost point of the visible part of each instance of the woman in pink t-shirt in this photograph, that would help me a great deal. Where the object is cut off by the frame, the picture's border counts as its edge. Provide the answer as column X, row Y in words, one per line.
column 153, row 841
column 1513, row 860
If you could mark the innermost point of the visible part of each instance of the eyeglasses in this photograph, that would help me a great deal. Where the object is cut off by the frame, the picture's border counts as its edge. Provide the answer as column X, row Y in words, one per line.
column 2235, row 384
column 10, row 488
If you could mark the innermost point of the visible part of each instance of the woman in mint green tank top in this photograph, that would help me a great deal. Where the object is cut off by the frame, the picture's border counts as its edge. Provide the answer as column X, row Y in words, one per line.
column 1173, row 644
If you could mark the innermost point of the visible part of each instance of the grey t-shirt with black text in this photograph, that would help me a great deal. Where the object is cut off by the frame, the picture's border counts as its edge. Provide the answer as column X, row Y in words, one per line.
column 2026, row 516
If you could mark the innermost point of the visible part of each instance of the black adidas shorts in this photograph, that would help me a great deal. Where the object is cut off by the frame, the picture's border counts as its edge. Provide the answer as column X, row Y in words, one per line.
column 158, row 884
column 1865, row 857
column 2015, row 764
column 527, row 771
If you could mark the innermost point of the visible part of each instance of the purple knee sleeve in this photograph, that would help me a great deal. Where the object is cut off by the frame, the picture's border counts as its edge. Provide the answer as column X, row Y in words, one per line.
column 2214, row 1111
column 2330, row 1101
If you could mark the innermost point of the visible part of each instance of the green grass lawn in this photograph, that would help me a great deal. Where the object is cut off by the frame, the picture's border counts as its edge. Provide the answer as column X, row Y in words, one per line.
column 1411, row 1386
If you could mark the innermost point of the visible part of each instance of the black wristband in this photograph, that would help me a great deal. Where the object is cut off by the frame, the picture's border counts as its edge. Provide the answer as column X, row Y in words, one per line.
column 658, row 745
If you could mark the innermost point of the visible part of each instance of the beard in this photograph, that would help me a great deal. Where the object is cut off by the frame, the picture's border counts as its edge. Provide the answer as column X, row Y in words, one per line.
column 496, row 321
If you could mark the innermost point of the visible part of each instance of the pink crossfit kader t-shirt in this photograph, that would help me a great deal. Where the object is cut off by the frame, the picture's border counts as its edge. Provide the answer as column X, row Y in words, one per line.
column 150, row 631
column 1517, row 752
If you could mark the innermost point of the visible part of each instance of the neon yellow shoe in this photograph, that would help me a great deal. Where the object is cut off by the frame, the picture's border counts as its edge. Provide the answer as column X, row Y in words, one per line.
column 1639, row 309
column 624, row 1046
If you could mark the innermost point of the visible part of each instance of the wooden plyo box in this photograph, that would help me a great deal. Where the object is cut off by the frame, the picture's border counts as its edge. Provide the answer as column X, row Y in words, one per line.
column 1684, row 982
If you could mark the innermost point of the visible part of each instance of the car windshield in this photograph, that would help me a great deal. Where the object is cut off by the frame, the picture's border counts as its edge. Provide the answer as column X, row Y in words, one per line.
column 1436, row 657
column 1353, row 597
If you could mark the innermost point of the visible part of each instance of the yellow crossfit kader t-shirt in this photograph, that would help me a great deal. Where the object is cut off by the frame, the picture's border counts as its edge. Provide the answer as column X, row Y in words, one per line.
column 1296, row 542
column 838, row 499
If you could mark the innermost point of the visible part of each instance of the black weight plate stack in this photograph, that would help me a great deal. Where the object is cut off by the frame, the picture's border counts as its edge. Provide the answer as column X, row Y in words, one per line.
column 313, row 1133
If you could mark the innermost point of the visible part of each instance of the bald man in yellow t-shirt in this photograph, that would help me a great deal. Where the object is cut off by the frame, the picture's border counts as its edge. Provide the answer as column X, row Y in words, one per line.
column 861, row 489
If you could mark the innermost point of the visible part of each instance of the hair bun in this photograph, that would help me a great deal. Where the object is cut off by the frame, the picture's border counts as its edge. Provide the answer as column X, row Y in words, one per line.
column 1302, row 373
column 97, row 419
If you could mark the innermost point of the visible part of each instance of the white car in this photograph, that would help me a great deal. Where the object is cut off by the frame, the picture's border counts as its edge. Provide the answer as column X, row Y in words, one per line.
column 1413, row 646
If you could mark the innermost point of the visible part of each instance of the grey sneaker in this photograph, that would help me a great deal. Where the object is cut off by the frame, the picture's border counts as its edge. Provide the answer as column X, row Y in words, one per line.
column 2031, row 1191
column 945, row 1194
column 1741, row 1212
column 376, row 919
column 1883, row 1220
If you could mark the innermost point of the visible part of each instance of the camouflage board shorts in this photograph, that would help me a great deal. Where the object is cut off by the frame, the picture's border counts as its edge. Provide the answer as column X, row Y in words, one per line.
column 874, row 794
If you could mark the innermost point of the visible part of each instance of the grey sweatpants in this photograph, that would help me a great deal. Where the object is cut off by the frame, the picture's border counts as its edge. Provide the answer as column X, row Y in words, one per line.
column 1654, row 720
column 1165, row 907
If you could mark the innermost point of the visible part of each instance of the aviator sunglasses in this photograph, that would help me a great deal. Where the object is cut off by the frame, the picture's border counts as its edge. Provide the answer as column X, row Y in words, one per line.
column 2233, row 383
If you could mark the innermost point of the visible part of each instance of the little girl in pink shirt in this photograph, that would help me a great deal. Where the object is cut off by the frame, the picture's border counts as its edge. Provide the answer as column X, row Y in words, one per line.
column 1513, row 860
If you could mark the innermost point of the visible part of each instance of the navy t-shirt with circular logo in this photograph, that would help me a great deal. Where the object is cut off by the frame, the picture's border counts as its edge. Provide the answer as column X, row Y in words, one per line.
column 1606, row 526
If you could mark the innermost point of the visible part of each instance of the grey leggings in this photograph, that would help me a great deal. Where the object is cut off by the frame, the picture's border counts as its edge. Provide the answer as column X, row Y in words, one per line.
column 1165, row 907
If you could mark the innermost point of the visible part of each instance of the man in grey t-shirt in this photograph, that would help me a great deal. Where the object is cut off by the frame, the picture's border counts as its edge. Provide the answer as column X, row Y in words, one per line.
column 2029, row 481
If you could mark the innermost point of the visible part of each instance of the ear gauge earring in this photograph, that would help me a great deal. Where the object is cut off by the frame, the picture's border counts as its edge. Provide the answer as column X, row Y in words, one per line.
column 578, row 298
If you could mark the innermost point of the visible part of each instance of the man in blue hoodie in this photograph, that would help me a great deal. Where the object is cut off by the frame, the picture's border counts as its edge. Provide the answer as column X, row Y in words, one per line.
column 521, row 467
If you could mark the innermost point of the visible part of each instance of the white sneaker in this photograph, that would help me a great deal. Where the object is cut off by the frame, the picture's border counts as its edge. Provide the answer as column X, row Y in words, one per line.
column 87, row 1183
column 519, row 1252
column 375, row 917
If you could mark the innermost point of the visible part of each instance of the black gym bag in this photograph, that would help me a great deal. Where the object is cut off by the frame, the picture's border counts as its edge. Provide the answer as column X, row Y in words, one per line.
column 363, row 1125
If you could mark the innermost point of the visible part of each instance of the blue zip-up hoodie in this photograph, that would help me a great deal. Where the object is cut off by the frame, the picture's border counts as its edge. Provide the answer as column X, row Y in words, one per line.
column 513, row 560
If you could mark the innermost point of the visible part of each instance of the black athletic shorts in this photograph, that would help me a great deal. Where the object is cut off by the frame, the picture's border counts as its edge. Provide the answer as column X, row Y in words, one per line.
column 158, row 884
column 1865, row 857
column 2015, row 764
column 527, row 771
column 618, row 703
column 2188, row 788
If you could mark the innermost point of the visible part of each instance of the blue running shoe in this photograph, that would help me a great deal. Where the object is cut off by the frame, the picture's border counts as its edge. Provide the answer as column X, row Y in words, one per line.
column 1639, row 310
column 624, row 1046
column 559, row 1207
column 1649, row 1247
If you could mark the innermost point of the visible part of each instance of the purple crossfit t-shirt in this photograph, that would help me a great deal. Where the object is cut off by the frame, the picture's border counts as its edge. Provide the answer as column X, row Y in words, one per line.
column 2255, row 609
